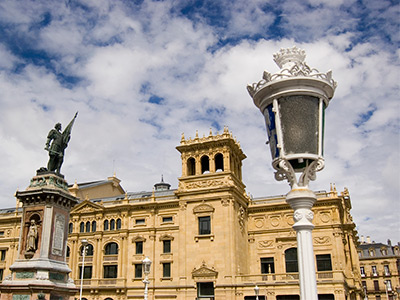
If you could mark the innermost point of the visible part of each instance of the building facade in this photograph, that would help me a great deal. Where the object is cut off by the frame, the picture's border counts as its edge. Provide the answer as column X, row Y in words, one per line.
column 207, row 239
column 380, row 269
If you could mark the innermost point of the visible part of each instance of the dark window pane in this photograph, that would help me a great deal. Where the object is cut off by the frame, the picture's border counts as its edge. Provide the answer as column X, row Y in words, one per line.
column 87, row 272
column 219, row 162
column 139, row 247
column 112, row 224
column 138, row 270
column 191, row 166
column 291, row 260
column 94, row 226
column 110, row 271
column 267, row 265
column 205, row 164
column 70, row 228
column 87, row 229
column 111, row 248
column 166, row 270
column 167, row 246
column 204, row 225
column 167, row 219
column 324, row 262
column 82, row 227
column 205, row 289
column 119, row 224
column 106, row 225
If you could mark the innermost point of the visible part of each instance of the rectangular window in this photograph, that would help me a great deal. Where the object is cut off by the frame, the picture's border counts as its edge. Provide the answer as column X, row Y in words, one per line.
column 3, row 255
column 110, row 271
column 389, row 285
column 205, row 289
column 87, row 272
column 167, row 219
column 374, row 273
column 1, row 274
column 387, row 271
column 139, row 247
column 166, row 270
column 167, row 246
column 364, row 284
column 378, row 297
column 267, row 265
column 362, row 271
column 139, row 221
column 205, row 225
column 1, row 233
column 376, row 285
column 138, row 270
column 324, row 262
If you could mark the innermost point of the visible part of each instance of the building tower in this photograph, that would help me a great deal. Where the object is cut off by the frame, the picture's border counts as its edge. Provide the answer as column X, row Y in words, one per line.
column 213, row 208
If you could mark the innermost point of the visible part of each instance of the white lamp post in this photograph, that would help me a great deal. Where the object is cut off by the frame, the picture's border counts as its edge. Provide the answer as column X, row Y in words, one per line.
column 84, row 245
column 293, row 103
column 146, row 269
column 256, row 291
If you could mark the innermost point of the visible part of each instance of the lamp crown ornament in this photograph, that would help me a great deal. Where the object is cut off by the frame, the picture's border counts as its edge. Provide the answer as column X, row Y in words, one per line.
column 287, row 57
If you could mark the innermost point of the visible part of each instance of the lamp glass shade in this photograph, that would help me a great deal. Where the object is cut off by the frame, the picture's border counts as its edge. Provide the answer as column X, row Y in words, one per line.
column 300, row 124
column 146, row 265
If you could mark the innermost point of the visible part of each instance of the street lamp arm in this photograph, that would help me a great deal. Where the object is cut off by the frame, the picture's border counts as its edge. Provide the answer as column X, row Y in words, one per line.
column 286, row 172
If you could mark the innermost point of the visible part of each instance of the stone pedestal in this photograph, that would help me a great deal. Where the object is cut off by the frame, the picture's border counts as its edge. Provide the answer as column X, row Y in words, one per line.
column 40, row 271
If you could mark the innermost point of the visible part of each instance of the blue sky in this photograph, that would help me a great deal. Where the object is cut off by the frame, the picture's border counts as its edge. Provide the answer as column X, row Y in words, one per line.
column 141, row 73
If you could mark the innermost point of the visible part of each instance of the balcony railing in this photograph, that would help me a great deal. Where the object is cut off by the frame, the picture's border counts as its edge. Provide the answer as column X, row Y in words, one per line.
column 286, row 277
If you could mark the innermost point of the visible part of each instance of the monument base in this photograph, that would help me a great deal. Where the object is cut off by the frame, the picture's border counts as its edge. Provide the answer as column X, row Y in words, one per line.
column 40, row 271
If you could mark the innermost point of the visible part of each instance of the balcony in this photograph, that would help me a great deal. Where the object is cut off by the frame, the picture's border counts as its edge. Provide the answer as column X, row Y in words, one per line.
column 279, row 278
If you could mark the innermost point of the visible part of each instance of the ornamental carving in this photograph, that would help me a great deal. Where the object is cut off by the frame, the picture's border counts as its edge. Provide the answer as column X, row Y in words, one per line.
column 204, row 272
column 241, row 217
column 265, row 244
column 324, row 217
column 203, row 208
column 207, row 184
column 321, row 240
column 275, row 221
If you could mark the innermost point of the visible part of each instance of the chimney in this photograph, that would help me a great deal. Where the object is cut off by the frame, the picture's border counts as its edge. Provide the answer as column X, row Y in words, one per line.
column 362, row 239
column 368, row 239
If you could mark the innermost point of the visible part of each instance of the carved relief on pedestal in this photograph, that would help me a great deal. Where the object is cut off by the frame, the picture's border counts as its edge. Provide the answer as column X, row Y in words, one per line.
column 58, row 235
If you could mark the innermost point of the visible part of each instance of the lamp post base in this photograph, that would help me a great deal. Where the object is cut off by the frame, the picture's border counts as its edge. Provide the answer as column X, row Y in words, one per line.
column 301, row 199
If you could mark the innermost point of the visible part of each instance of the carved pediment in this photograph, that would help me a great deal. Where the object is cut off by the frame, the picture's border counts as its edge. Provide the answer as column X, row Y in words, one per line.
column 86, row 207
column 203, row 208
column 204, row 272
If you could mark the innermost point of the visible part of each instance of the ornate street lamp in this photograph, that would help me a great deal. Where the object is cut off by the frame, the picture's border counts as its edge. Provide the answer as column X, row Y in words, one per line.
column 84, row 247
column 256, row 291
column 293, row 103
column 146, row 269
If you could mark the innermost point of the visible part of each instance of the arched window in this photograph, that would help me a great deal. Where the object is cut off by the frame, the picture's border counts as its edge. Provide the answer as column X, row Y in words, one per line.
column 93, row 226
column 70, row 228
column 112, row 224
column 106, row 225
column 291, row 260
column 219, row 162
column 68, row 252
column 119, row 224
column 111, row 248
column 87, row 226
column 205, row 164
column 89, row 250
column 108, row 298
column 191, row 166
column 82, row 227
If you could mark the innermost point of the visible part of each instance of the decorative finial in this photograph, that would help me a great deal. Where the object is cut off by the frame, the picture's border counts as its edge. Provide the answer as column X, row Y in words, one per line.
column 286, row 58
column 210, row 132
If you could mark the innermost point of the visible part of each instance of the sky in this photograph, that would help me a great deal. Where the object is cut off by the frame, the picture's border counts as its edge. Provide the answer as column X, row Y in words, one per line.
column 141, row 73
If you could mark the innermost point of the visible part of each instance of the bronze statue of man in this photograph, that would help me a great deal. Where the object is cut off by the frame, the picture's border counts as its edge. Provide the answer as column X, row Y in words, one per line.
column 59, row 141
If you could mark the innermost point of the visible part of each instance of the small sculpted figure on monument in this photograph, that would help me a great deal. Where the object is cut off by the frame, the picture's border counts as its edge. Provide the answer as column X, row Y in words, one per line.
column 59, row 141
column 32, row 237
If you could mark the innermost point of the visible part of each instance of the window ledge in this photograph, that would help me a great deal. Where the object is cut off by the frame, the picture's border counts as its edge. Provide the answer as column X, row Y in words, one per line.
column 204, row 236
column 166, row 279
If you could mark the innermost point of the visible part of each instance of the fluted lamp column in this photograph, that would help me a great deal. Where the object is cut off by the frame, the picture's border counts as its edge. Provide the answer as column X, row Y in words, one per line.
column 293, row 103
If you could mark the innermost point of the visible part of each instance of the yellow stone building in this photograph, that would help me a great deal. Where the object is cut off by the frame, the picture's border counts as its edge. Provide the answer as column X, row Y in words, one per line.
column 207, row 239
column 379, row 269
